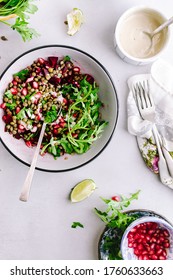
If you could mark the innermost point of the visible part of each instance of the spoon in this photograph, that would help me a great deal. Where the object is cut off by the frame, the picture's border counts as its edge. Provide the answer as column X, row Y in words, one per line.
column 158, row 29
column 27, row 184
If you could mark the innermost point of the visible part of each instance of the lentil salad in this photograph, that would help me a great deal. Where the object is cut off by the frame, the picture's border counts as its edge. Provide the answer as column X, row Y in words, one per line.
column 36, row 93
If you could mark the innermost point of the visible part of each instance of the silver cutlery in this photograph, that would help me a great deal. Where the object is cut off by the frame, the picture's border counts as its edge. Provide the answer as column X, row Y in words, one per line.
column 146, row 108
column 28, row 181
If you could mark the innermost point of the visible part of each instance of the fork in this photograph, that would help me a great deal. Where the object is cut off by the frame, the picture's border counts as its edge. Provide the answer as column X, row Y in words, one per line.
column 28, row 181
column 146, row 108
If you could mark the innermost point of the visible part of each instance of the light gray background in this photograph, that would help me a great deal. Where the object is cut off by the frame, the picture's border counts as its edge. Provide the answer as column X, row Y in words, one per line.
column 41, row 228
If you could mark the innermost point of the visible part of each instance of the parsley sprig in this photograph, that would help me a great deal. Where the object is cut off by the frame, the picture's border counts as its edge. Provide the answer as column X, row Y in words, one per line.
column 22, row 9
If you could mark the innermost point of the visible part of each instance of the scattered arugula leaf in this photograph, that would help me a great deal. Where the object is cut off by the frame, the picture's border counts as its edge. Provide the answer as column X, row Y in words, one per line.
column 77, row 224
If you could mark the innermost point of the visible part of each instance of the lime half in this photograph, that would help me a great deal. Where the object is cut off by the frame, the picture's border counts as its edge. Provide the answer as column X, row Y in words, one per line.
column 82, row 190
column 74, row 20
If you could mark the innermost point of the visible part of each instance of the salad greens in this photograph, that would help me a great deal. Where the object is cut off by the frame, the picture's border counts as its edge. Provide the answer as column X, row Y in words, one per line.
column 83, row 123
column 77, row 224
column 22, row 9
column 115, row 219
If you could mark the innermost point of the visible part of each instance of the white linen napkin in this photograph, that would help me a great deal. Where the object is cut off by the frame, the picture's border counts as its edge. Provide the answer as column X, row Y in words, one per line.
column 161, row 88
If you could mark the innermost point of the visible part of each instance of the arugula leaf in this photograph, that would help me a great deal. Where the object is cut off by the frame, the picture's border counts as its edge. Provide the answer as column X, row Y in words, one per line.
column 21, row 115
column 51, row 115
column 9, row 94
column 22, row 74
column 11, row 106
column 77, row 224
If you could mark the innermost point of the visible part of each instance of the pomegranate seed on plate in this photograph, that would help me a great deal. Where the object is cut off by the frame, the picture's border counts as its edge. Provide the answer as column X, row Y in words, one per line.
column 115, row 198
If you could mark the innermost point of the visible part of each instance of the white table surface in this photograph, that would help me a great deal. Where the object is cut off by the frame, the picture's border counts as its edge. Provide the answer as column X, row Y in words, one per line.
column 41, row 228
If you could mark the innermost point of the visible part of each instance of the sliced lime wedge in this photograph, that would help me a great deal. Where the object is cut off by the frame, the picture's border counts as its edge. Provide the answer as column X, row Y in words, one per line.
column 82, row 190
column 74, row 20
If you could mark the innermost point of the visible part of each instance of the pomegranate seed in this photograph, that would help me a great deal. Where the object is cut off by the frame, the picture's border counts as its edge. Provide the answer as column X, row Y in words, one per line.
column 166, row 233
column 7, row 118
column 130, row 234
column 65, row 101
column 14, row 82
column 133, row 230
column 137, row 252
column 162, row 257
column 145, row 252
column 3, row 105
column 56, row 126
column 55, row 131
column 24, row 91
column 17, row 110
column 151, row 231
column 14, row 91
column 28, row 144
column 30, row 79
column 115, row 198
column 145, row 257
column 35, row 85
column 21, row 127
column 76, row 69
column 130, row 244
column 38, row 70
column 154, row 257
column 135, row 244
column 41, row 60
column 166, row 245
column 140, row 257
column 75, row 135
column 153, row 246
column 140, row 247
column 154, row 225
column 38, row 95
column 62, row 124
column 159, row 252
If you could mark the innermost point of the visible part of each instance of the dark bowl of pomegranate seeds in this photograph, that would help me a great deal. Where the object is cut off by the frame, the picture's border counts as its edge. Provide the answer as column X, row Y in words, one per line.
column 148, row 238
column 35, row 86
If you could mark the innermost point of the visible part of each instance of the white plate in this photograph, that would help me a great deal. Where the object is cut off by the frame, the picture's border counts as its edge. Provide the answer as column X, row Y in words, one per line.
column 107, row 95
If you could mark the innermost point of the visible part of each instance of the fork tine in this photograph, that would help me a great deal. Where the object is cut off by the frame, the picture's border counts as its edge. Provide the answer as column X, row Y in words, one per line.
column 147, row 94
column 139, row 101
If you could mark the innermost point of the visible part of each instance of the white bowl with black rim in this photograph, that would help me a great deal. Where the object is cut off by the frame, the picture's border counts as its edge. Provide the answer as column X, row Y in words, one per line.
column 107, row 95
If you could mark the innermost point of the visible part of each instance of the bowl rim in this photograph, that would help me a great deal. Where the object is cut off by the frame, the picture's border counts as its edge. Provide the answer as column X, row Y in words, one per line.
column 111, row 81
column 130, row 11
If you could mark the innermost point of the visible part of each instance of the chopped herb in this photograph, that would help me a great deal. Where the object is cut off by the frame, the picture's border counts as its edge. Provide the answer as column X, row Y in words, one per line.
column 22, row 74
column 77, row 224
column 67, row 58
column 51, row 115
column 22, row 9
